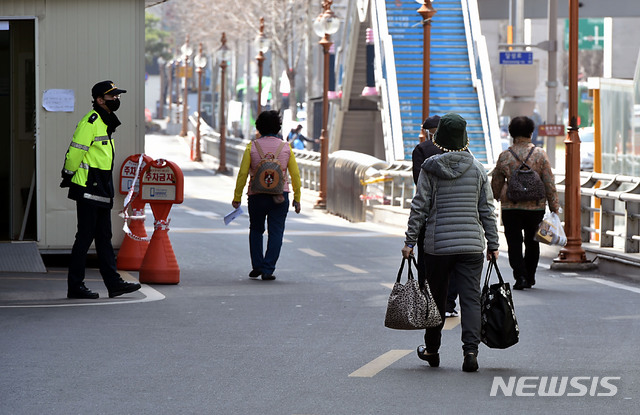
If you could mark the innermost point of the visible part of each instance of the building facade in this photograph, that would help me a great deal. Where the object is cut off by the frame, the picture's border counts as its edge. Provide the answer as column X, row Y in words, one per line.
column 51, row 53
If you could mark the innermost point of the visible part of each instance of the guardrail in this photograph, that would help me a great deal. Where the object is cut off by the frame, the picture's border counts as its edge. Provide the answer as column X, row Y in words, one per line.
column 609, row 204
column 308, row 161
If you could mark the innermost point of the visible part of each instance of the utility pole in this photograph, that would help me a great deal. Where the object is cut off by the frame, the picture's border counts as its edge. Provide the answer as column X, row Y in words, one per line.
column 552, row 77
column 519, row 32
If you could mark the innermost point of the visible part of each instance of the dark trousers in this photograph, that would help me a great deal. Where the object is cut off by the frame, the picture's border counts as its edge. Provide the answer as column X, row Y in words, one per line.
column 452, row 291
column 521, row 226
column 262, row 207
column 466, row 269
column 94, row 223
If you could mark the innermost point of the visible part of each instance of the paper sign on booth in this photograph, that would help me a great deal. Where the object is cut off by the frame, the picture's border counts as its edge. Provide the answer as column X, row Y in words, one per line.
column 58, row 100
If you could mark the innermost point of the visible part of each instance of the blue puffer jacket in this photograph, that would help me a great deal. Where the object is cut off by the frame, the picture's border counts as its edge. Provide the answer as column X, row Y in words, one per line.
column 454, row 199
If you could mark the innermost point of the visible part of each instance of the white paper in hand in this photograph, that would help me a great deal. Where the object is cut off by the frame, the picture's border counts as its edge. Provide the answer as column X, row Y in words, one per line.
column 232, row 215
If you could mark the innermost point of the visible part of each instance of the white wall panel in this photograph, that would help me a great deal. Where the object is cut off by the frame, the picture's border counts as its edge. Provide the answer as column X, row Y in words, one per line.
column 79, row 43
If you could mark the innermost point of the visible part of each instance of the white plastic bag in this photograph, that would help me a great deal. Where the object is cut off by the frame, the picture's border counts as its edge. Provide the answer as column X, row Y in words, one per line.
column 550, row 230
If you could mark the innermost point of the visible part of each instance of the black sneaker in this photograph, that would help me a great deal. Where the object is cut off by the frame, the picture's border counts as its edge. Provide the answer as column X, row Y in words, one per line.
column 123, row 287
column 268, row 277
column 82, row 292
column 255, row 273
column 470, row 362
column 521, row 284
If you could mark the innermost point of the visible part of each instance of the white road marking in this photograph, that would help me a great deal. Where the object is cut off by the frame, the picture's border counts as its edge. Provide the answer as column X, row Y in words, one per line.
column 150, row 294
column 612, row 284
column 451, row 322
column 350, row 268
column 311, row 252
column 379, row 363
column 211, row 215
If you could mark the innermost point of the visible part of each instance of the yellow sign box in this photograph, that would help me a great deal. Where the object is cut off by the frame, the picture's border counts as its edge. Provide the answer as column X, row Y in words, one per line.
column 181, row 70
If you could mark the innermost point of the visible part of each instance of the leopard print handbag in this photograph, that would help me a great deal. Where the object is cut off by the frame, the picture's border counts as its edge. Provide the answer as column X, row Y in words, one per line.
column 410, row 308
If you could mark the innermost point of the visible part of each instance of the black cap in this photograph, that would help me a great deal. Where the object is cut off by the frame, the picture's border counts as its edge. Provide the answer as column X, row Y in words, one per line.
column 106, row 88
column 431, row 122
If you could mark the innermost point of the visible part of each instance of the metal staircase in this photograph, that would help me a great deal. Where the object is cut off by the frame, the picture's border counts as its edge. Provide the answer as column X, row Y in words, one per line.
column 454, row 78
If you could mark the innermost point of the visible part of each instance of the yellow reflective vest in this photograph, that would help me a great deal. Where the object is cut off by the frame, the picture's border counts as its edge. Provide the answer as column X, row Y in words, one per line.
column 90, row 160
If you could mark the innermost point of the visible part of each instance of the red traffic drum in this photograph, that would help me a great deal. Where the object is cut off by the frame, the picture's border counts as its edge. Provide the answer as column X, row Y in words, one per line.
column 161, row 185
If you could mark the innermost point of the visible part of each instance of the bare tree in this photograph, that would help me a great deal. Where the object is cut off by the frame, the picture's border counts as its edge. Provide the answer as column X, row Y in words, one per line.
column 286, row 26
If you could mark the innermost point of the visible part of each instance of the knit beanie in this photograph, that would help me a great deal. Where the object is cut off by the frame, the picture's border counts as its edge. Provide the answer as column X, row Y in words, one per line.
column 451, row 134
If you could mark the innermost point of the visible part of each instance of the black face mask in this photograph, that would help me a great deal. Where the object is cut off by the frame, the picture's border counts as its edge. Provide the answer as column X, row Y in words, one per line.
column 113, row 105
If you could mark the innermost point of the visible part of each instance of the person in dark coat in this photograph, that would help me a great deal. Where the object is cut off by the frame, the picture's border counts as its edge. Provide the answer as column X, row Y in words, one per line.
column 422, row 152
column 454, row 203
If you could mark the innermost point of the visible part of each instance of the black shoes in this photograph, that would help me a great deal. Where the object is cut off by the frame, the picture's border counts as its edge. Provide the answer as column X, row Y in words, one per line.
column 119, row 288
column 521, row 284
column 470, row 363
column 82, row 292
column 123, row 287
column 433, row 359
column 266, row 277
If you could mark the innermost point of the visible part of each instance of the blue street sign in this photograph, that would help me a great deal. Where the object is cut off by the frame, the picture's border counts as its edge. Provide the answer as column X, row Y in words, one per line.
column 516, row 58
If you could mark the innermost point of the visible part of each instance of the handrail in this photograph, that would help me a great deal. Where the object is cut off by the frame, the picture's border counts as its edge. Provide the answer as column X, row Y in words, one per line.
column 385, row 74
column 482, row 78
column 619, row 211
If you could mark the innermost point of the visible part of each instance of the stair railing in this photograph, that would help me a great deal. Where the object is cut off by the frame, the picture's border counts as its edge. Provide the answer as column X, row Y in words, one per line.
column 385, row 74
column 482, row 78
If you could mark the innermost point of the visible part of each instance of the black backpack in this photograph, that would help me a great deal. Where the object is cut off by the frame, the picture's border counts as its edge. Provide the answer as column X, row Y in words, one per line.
column 525, row 184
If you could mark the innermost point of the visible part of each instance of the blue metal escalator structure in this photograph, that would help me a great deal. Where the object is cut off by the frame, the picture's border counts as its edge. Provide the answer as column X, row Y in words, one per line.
column 460, row 76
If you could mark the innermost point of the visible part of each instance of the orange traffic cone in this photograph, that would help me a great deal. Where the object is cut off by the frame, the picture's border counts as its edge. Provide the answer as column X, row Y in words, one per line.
column 134, row 246
column 160, row 265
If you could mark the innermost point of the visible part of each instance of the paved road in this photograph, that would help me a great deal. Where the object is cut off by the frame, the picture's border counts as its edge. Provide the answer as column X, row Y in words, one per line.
column 312, row 342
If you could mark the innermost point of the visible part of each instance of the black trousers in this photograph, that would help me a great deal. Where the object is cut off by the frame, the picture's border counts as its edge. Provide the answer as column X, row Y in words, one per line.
column 452, row 291
column 466, row 269
column 521, row 226
column 94, row 223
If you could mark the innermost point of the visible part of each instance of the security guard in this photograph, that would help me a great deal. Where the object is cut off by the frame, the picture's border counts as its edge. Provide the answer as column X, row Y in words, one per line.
column 87, row 173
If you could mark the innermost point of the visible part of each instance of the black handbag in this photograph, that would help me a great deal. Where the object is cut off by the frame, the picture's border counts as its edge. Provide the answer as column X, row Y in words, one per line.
column 499, row 327
column 410, row 308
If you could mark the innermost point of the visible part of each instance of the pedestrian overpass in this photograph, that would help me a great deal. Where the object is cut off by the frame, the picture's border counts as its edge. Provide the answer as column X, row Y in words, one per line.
column 387, row 124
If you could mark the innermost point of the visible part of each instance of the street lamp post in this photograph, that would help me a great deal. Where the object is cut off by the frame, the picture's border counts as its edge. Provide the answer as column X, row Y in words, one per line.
column 170, row 67
column 200, row 61
column 178, row 67
column 426, row 11
column 160, row 111
column 186, row 52
column 572, row 252
column 223, row 55
column 262, row 44
column 326, row 24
